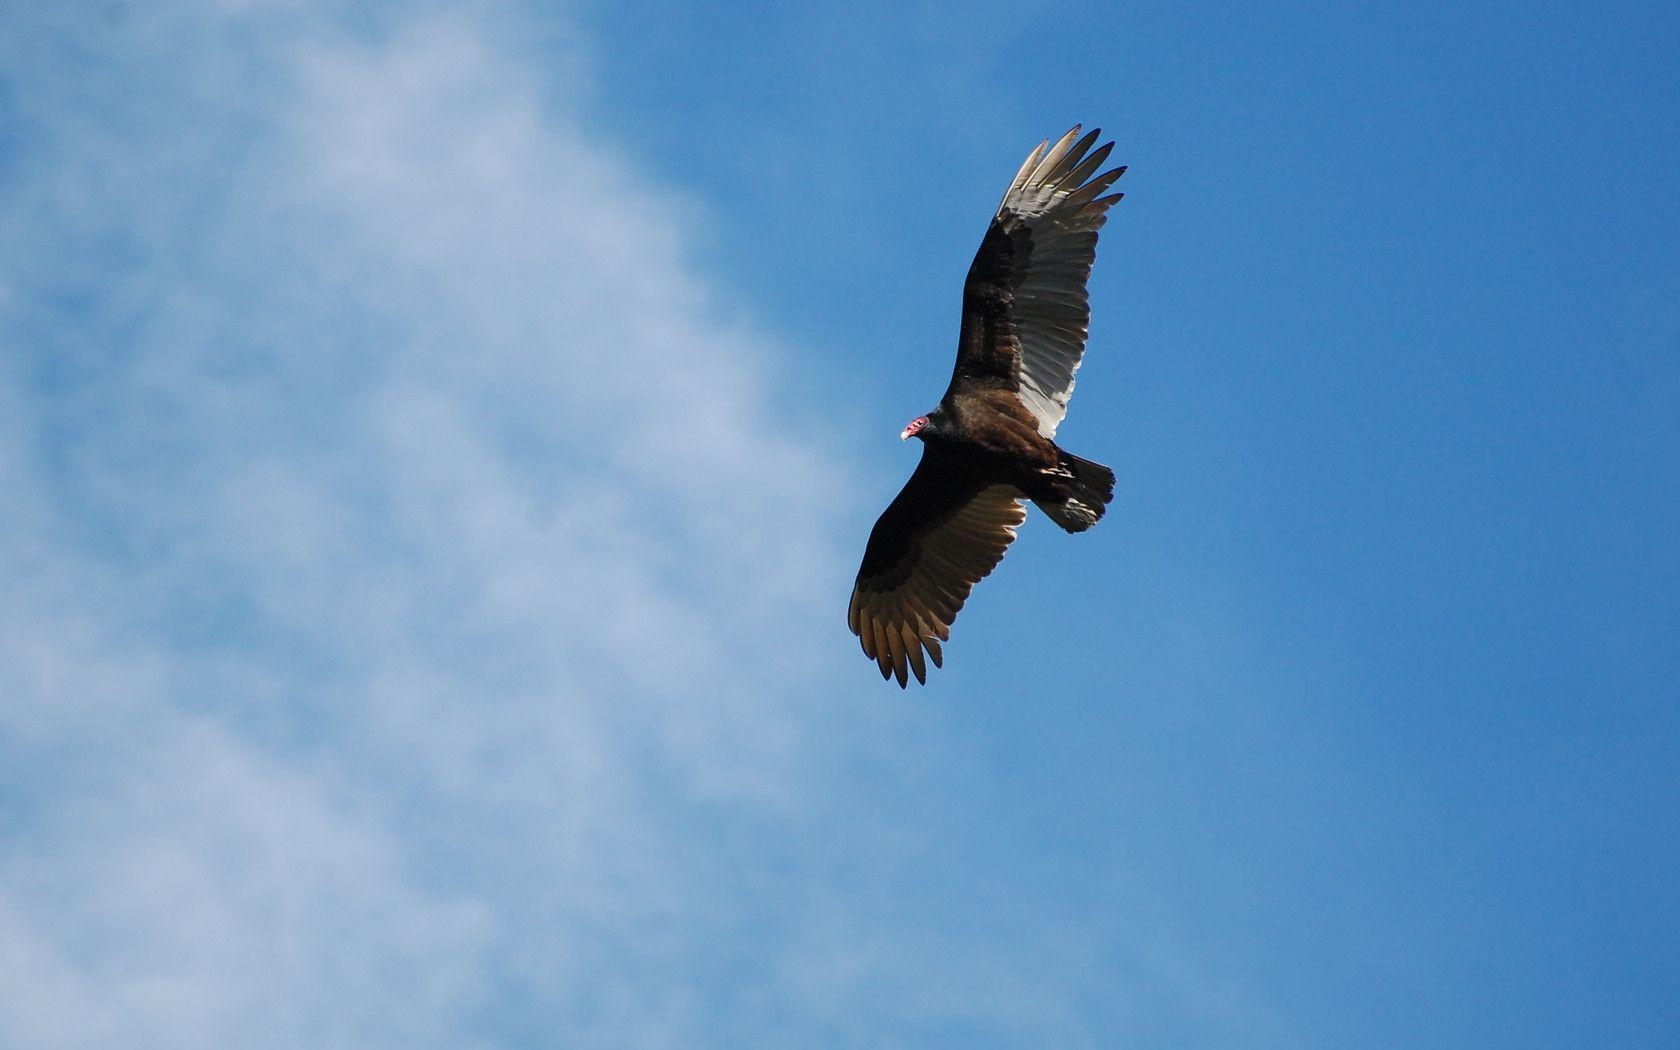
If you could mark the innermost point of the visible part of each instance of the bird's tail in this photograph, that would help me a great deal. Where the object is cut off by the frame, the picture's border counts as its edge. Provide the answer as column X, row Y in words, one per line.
column 1091, row 490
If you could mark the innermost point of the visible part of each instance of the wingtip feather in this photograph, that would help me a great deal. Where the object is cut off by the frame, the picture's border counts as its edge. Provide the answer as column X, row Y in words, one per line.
column 1053, row 159
column 918, row 664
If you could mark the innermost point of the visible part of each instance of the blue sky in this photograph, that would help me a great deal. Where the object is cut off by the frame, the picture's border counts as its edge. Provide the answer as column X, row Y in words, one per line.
column 436, row 442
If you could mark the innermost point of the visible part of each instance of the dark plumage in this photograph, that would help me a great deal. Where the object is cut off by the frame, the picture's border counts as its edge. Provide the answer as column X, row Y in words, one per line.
column 989, row 445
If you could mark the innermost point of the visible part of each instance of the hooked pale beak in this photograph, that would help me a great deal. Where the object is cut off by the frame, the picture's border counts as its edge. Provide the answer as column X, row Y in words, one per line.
column 904, row 435
column 913, row 429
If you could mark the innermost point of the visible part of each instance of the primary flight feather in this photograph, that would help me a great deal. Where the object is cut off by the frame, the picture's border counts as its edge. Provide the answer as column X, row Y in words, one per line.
column 989, row 445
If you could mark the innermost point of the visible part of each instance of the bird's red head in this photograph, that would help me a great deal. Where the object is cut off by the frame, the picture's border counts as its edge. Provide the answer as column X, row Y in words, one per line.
column 914, row 428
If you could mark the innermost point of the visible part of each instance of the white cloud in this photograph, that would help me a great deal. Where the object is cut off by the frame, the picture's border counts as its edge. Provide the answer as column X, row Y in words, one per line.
column 195, row 891
column 403, row 552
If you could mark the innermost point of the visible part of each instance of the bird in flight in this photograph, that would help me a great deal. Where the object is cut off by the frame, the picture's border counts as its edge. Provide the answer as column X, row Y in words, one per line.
column 990, row 443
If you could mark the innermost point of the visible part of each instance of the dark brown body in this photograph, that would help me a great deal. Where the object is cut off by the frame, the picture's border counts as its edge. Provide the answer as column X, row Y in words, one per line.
column 991, row 433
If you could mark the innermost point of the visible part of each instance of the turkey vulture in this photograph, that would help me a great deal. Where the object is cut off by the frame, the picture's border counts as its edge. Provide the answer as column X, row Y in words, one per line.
column 988, row 445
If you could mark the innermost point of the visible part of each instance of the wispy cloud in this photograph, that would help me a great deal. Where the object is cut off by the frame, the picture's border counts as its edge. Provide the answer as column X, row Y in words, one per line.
column 398, row 551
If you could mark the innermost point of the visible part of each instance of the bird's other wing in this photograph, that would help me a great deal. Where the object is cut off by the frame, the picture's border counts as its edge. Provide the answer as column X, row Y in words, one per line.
column 945, row 532
column 1025, row 311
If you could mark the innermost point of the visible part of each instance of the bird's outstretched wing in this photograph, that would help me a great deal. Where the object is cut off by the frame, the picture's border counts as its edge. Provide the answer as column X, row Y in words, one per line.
column 1025, row 312
column 939, row 537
